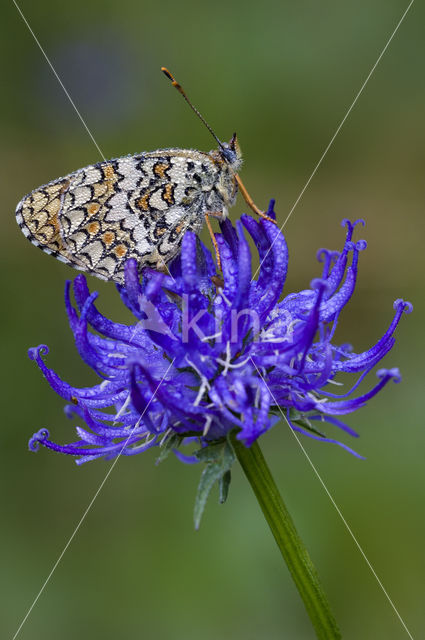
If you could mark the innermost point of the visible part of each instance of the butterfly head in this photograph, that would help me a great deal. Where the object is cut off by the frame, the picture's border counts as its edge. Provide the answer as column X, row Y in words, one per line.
column 231, row 153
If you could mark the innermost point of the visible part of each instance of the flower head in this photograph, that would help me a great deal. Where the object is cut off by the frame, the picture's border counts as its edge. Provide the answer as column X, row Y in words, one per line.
column 208, row 355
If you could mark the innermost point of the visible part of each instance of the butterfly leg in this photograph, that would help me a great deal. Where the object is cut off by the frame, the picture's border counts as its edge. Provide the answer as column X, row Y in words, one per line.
column 214, row 241
column 250, row 201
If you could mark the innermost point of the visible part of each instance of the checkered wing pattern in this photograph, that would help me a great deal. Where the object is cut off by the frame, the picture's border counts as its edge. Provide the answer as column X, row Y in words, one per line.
column 137, row 206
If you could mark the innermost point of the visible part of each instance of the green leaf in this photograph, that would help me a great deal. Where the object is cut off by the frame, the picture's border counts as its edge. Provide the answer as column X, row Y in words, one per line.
column 305, row 423
column 219, row 459
column 297, row 418
column 172, row 442
column 223, row 485
column 211, row 453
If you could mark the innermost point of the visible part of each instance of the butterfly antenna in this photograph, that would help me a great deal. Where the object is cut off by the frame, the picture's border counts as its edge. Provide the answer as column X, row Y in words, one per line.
column 181, row 90
column 242, row 188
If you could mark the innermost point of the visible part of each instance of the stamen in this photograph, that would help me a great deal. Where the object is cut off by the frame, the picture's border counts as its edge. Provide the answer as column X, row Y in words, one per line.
column 214, row 335
column 232, row 365
column 165, row 436
column 123, row 408
column 207, row 425
column 204, row 386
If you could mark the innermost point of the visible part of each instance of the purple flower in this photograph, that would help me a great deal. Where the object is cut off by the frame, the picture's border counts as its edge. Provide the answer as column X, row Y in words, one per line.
column 206, row 356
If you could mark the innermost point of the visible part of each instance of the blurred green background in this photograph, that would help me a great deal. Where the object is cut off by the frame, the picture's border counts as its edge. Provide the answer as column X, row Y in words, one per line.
column 282, row 74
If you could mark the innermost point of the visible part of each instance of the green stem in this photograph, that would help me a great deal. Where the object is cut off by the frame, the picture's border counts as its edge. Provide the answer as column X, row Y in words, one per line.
column 290, row 544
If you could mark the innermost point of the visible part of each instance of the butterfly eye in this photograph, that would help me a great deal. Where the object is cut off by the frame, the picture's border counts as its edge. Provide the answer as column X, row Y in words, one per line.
column 229, row 155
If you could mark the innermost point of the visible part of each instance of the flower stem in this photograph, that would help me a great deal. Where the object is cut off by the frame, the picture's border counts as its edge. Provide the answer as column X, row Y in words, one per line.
column 290, row 544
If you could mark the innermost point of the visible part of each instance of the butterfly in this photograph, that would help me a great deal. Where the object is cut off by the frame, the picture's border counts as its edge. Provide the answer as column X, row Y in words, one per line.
column 137, row 206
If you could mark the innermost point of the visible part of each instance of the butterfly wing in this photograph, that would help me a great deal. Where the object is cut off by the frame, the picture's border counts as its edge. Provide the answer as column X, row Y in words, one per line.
column 38, row 217
column 136, row 206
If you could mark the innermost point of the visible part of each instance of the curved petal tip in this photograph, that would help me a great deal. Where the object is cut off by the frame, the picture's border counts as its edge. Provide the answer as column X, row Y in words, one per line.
column 37, row 438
